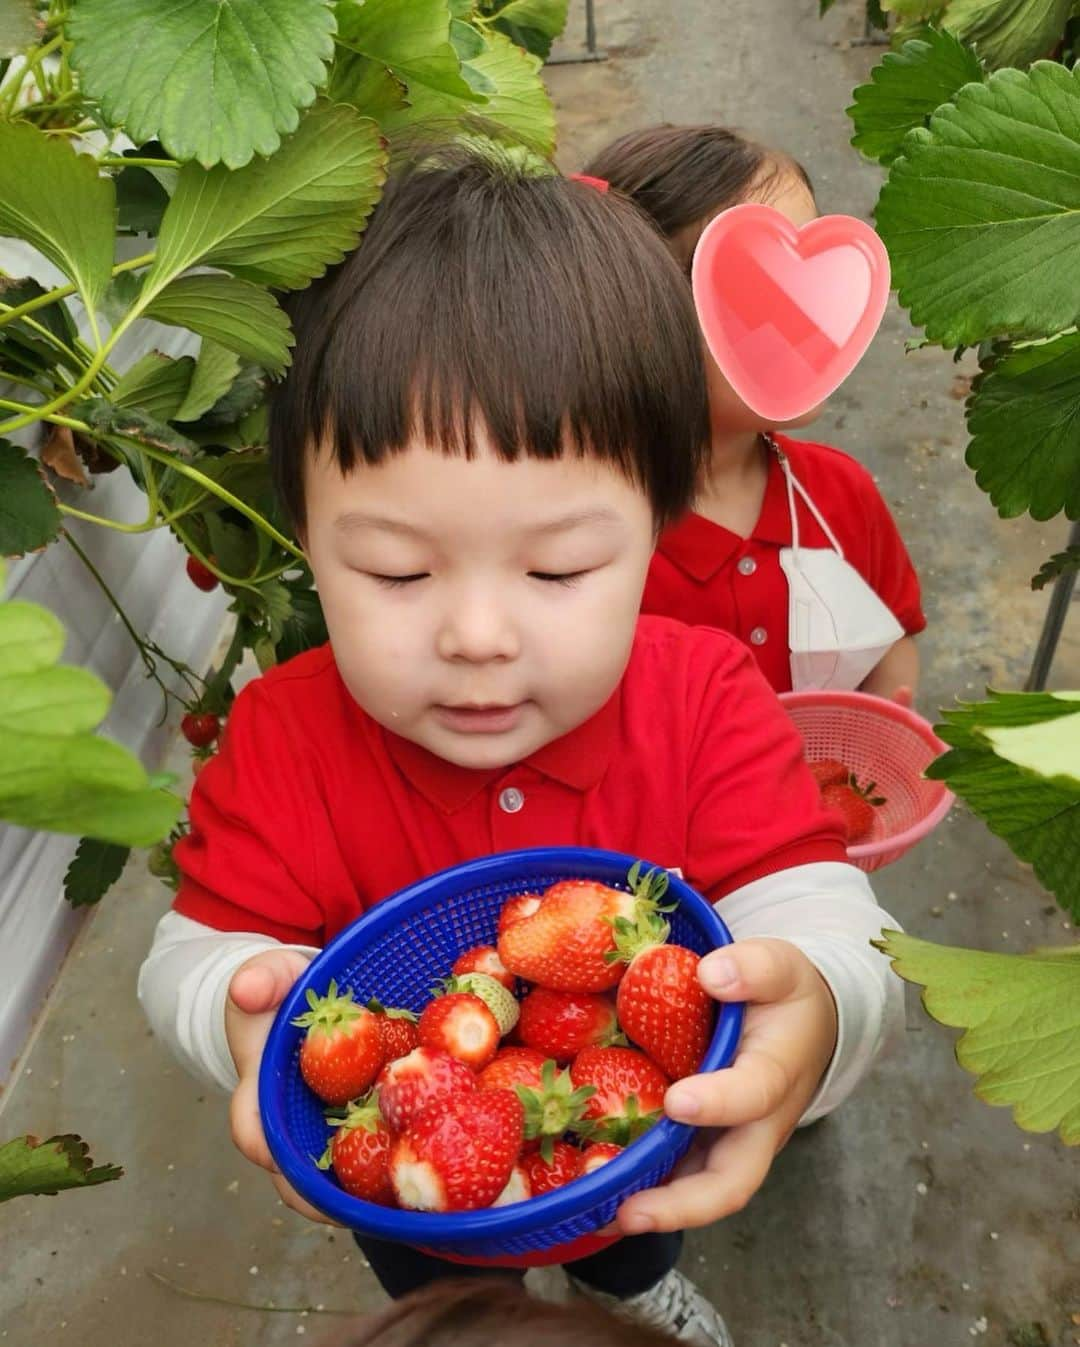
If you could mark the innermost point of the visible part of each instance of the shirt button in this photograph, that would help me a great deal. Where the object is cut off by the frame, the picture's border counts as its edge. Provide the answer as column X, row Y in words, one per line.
column 511, row 800
column 747, row 566
column 759, row 636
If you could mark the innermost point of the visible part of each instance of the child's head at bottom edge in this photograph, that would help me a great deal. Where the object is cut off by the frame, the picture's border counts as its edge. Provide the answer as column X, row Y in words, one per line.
column 495, row 404
column 480, row 1311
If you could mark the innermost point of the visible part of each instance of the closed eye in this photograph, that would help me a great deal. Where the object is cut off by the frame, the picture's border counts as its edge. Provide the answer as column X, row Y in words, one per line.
column 398, row 581
column 566, row 578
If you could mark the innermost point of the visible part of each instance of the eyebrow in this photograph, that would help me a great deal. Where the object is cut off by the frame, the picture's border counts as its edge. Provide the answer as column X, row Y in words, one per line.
column 355, row 520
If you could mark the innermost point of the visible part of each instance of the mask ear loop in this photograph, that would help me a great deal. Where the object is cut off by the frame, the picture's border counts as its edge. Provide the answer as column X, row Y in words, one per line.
column 793, row 484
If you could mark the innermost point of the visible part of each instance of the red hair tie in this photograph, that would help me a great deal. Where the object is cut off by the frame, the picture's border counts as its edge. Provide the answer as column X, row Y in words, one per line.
column 598, row 184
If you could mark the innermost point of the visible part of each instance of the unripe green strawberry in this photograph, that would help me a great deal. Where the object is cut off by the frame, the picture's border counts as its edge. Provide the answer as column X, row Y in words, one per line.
column 501, row 1002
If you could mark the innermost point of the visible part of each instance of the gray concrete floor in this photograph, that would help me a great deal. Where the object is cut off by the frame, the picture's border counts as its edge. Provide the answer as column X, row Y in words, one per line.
column 916, row 1215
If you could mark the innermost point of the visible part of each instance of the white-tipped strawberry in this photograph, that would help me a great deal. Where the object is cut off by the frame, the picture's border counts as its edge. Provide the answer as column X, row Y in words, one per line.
column 516, row 909
column 459, row 1153
column 518, row 1189
column 484, row 959
column 502, row 1003
column 461, row 1025
column 408, row 1085
column 598, row 1154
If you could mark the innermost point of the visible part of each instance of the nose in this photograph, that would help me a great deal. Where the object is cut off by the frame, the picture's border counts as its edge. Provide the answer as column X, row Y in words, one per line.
column 478, row 628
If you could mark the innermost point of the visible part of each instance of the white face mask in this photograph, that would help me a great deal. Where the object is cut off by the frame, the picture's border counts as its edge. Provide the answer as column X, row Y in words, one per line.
column 838, row 628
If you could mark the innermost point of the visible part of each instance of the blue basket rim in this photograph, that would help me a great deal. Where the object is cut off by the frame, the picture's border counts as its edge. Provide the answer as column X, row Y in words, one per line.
column 449, row 1229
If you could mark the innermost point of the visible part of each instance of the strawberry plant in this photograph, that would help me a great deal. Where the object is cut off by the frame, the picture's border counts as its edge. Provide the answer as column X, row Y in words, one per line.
column 975, row 114
column 203, row 215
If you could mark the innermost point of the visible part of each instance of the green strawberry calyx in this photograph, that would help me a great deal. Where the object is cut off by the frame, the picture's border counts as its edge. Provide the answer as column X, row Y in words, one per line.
column 329, row 1013
column 556, row 1107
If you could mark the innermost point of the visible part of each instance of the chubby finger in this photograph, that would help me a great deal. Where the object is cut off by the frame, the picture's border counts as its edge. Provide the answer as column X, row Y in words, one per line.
column 246, row 1124
column 292, row 1198
column 757, row 970
column 263, row 982
column 735, row 1169
column 753, row 1087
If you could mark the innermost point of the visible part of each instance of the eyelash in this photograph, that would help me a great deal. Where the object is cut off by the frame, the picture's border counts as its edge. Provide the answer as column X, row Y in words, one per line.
column 568, row 581
column 399, row 581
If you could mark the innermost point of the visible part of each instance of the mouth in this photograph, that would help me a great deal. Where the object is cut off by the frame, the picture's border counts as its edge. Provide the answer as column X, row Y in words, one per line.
column 480, row 718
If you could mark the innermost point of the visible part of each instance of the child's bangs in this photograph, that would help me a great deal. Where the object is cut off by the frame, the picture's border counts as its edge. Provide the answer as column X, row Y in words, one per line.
column 486, row 309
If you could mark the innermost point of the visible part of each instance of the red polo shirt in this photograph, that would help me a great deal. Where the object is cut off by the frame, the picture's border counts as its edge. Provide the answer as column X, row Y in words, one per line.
column 312, row 811
column 707, row 576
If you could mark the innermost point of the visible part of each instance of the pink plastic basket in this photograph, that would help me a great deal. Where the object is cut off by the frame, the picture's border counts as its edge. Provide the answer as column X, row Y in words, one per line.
column 884, row 743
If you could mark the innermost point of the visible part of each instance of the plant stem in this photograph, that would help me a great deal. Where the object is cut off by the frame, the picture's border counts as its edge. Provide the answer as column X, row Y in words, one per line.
column 120, row 161
column 213, row 698
column 54, row 419
column 41, row 330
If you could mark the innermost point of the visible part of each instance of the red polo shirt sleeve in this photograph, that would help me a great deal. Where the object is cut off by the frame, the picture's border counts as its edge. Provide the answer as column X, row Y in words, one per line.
column 248, row 862
column 753, row 807
column 890, row 572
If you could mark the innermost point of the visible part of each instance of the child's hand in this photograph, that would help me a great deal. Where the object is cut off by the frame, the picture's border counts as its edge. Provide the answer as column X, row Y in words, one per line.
column 257, row 988
column 787, row 1043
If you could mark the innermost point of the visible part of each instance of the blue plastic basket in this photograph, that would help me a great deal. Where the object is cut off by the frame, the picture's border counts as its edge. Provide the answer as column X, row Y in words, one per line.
column 396, row 952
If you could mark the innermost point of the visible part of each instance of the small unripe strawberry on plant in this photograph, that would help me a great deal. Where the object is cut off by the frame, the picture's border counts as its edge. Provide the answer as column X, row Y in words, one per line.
column 503, row 1004
column 628, row 1094
column 548, row 1172
column 598, row 1154
column 399, row 1030
column 200, row 728
column 200, row 575
column 461, row 1025
column 342, row 1050
column 484, row 959
column 408, row 1085
column 563, row 944
column 560, row 1024
column 459, row 1153
column 359, row 1153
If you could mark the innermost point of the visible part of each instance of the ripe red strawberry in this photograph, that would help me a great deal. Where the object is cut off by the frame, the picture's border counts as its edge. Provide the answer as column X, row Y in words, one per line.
column 516, row 908
column 459, row 1152
column 200, row 575
column 629, row 1094
column 829, row 772
column 565, row 1165
column 359, row 1153
column 484, row 959
column 856, row 805
column 510, row 1067
column 552, row 1107
column 200, row 728
column 461, row 1025
column 560, row 1024
column 399, row 1030
column 599, row 1153
column 342, row 1051
column 664, row 1009
column 563, row 945
column 409, row 1085
column 518, row 1188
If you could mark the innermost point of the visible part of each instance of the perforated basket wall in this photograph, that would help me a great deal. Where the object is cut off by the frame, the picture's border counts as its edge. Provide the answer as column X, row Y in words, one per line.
column 396, row 952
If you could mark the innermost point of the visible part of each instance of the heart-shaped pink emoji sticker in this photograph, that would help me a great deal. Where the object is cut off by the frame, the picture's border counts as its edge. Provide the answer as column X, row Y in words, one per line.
column 787, row 312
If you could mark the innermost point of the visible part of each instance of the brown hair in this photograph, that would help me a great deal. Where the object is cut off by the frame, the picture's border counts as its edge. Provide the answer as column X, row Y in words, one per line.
column 489, row 295
column 481, row 1311
column 682, row 176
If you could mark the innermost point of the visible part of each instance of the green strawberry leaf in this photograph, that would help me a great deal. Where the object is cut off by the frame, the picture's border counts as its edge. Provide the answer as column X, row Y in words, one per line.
column 905, row 89
column 366, row 85
column 213, row 80
column 243, row 317
column 1022, row 1017
column 140, row 201
column 280, row 221
column 914, row 11
column 990, row 189
column 1007, row 33
column 1061, row 563
column 215, row 373
column 108, row 420
column 412, row 37
column 28, row 1165
column 532, row 24
column 56, row 317
column 95, row 868
column 1022, row 417
column 59, row 202
column 57, row 700
column 1033, row 807
column 156, row 385
column 305, row 626
column 29, row 517
column 243, row 397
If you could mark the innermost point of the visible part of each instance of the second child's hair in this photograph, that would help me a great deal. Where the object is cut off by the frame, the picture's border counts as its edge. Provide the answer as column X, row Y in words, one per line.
column 482, row 1311
column 491, row 301
column 681, row 176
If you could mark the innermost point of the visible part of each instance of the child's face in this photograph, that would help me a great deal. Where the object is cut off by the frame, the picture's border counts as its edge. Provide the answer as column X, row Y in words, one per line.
column 727, row 411
column 477, row 607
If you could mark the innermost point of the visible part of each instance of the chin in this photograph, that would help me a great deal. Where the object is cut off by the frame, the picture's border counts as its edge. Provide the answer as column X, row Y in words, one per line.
column 481, row 753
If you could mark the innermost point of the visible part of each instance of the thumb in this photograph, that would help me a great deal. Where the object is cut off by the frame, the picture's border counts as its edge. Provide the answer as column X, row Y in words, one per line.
column 752, row 970
column 261, row 984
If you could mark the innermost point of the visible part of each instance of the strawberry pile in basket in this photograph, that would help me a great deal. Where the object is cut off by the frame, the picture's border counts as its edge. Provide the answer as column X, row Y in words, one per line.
column 487, row 1099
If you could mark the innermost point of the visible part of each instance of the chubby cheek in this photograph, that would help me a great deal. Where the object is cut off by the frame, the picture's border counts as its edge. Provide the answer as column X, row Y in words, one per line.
column 373, row 645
